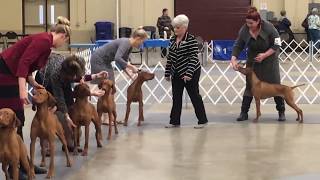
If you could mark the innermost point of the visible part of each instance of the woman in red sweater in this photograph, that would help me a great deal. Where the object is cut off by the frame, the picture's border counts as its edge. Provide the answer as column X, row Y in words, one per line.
column 19, row 61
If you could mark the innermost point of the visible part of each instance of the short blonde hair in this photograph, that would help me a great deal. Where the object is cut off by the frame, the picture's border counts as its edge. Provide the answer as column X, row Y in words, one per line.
column 62, row 26
column 140, row 32
column 180, row 20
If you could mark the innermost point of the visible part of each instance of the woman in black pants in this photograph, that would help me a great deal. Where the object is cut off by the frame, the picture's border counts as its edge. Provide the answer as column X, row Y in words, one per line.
column 183, row 69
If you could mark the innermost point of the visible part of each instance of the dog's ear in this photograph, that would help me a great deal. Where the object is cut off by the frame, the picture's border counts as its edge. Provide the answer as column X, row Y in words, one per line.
column 16, row 122
column 113, row 88
column 88, row 92
column 100, row 85
column 34, row 107
column 75, row 92
column 51, row 100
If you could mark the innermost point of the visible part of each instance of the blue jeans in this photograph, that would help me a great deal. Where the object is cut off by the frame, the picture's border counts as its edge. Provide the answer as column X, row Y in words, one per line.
column 315, row 36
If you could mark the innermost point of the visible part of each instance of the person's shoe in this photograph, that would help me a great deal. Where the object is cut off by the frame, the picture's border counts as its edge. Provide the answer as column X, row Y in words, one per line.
column 200, row 126
column 172, row 126
column 39, row 170
column 243, row 117
column 282, row 116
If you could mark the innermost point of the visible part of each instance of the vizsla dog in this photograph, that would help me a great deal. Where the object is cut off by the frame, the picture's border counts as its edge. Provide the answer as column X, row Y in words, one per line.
column 263, row 90
column 134, row 94
column 46, row 126
column 12, row 149
column 106, row 104
column 82, row 113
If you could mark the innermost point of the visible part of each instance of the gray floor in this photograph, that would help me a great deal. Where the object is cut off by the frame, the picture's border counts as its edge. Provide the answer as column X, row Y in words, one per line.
column 224, row 150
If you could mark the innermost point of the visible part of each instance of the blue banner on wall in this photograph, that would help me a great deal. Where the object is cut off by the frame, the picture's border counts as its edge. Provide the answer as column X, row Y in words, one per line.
column 222, row 50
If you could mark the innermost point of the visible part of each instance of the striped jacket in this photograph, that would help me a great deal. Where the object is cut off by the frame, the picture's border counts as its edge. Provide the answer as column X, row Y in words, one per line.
column 183, row 57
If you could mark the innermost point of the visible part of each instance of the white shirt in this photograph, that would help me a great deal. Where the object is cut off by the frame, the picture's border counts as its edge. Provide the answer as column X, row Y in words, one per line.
column 314, row 22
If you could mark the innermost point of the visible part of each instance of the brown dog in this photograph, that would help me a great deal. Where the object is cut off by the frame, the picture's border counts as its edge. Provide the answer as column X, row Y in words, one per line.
column 46, row 126
column 82, row 113
column 106, row 104
column 263, row 90
column 12, row 149
column 134, row 94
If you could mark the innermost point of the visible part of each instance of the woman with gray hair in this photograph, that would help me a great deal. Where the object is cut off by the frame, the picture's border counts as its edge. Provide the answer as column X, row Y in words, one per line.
column 183, row 69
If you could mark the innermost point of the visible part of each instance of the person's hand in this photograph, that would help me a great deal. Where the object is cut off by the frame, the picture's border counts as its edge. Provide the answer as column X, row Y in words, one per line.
column 38, row 86
column 98, row 93
column 82, row 81
column 133, row 68
column 168, row 78
column 260, row 57
column 234, row 64
column 102, row 74
column 70, row 122
column 129, row 73
column 34, row 83
column 186, row 78
column 24, row 97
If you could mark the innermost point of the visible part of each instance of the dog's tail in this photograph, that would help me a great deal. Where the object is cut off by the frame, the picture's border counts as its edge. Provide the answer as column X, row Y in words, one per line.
column 297, row 86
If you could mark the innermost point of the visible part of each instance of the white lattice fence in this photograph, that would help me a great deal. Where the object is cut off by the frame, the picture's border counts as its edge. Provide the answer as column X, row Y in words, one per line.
column 219, row 83
column 297, row 66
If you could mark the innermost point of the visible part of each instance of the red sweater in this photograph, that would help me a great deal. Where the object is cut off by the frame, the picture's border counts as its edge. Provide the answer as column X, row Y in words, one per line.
column 29, row 54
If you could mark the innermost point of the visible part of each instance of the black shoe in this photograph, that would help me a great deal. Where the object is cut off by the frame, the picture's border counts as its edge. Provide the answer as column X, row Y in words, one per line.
column 22, row 175
column 39, row 170
column 243, row 117
column 282, row 116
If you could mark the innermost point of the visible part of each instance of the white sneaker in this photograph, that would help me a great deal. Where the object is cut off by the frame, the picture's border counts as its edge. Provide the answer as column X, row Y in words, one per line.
column 200, row 126
column 172, row 126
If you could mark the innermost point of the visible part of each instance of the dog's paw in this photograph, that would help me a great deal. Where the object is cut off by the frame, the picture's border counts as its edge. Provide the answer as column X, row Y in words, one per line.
column 255, row 120
column 49, row 176
column 69, row 163
column 99, row 145
column 84, row 153
column 33, row 175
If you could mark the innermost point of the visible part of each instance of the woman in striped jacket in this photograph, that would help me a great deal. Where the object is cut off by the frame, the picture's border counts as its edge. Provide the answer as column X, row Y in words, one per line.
column 183, row 69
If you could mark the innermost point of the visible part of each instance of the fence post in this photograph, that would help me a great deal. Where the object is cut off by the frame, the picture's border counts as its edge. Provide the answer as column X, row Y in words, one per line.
column 311, row 50
column 206, row 50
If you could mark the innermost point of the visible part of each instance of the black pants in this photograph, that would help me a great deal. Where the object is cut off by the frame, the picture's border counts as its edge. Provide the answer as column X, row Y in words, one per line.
column 192, row 87
column 246, row 101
